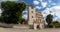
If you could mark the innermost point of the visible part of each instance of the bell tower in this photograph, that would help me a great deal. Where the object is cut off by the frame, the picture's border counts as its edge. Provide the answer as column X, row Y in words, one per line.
column 31, row 15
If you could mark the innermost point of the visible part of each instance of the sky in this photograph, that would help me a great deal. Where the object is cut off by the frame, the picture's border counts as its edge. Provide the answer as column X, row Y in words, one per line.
column 45, row 6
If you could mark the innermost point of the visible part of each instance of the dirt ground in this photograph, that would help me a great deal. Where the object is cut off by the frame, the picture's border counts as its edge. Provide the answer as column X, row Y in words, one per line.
column 29, row 30
column 25, row 28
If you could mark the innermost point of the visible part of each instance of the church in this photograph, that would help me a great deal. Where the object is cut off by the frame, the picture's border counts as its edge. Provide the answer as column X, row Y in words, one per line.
column 35, row 18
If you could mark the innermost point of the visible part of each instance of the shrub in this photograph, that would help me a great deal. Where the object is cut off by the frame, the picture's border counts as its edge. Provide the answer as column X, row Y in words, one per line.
column 50, row 26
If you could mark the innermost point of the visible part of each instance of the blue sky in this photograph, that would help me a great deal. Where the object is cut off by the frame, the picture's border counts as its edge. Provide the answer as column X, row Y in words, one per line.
column 45, row 6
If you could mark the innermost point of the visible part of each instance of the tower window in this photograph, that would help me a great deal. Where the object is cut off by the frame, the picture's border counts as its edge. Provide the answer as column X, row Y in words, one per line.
column 32, row 16
column 32, row 7
column 32, row 11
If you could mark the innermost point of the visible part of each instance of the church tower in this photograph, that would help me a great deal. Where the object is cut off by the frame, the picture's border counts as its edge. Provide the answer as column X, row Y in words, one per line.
column 31, row 15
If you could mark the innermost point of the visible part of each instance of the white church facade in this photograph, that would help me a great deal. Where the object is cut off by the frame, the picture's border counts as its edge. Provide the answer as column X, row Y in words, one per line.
column 35, row 18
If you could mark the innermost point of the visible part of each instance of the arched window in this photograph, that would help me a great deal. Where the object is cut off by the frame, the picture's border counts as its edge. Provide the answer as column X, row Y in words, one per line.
column 32, row 11
column 32, row 16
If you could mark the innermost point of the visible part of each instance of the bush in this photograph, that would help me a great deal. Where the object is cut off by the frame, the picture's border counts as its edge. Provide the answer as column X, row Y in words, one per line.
column 0, row 19
column 50, row 26
column 57, row 25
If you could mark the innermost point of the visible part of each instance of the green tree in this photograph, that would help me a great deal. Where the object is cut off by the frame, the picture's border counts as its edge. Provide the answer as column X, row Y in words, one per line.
column 0, row 18
column 49, row 19
column 12, row 11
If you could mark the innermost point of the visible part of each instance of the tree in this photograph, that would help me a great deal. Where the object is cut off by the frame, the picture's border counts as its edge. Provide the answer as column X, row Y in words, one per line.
column 0, row 18
column 12, row 11
column 49, row 19
column 23, row 20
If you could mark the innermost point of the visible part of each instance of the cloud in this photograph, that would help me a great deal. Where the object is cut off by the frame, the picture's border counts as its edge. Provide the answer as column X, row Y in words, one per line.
column 40, row 0
column 38, row 7
column 54, row 11
column 12, row 0
column 36, row 2
column 0, row 12
column 53, row 3
column 57, row 10
column 49, row 1
column 25, row 11
column 3, row 0
column 51, row 8
column 48, row 11
column 24, row 16
column 44, row 4
column 55, row 19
